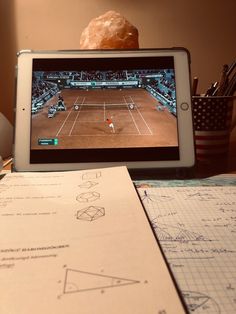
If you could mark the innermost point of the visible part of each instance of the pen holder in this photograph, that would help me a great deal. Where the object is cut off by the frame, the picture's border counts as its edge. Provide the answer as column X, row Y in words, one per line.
column 213, row 122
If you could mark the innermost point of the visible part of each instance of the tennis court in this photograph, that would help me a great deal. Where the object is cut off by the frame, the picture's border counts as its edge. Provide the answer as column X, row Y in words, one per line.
column 134, row 114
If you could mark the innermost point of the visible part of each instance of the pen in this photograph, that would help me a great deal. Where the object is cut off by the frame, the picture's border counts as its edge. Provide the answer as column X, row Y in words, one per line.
column 212, row 90
column 231, row 88
column 231, row 68
column 231, row 82
column 223, row 80
column 194, row 87
column 215, row 89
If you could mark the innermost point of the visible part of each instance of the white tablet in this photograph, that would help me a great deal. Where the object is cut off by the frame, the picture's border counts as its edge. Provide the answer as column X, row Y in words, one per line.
column 86, row 109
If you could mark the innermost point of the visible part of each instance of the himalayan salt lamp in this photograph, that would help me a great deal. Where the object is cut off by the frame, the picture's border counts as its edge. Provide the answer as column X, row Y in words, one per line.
column 109, row 31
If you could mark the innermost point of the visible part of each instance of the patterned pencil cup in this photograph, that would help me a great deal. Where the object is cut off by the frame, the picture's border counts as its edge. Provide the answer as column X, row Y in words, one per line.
column 212, row 121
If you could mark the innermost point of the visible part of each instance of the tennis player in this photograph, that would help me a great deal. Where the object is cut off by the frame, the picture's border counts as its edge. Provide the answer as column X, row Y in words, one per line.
column 110, row 124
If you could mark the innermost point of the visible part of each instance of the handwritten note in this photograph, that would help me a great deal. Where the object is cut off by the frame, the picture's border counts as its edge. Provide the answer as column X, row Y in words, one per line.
column 79, row 242
column 196, row 227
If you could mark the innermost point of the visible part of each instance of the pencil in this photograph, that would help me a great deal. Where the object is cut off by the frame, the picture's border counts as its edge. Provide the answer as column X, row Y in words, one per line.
column 7, row 162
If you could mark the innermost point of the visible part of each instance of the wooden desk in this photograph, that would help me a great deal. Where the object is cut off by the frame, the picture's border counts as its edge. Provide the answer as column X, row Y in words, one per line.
column 9, row 163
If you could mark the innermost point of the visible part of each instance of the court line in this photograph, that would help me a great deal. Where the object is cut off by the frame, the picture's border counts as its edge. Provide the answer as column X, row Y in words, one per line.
column 132, row 117
column 78, row 113
column 106, row 134
column 108, row 104
column 58, row 132
column 143, row 118
column 104, row 116
column 103, row 106
column 104, row 111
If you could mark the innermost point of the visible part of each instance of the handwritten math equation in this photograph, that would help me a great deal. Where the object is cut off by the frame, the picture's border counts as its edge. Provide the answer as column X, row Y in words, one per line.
column 196, row 228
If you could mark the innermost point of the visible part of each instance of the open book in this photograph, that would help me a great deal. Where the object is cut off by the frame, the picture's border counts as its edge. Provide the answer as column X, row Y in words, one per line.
column 80, row 242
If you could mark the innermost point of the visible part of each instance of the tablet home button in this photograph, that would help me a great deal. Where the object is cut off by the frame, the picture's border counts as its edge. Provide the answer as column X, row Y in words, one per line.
column 184, row 106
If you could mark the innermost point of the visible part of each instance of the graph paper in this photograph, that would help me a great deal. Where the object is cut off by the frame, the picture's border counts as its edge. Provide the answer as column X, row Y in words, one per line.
column 196, row 228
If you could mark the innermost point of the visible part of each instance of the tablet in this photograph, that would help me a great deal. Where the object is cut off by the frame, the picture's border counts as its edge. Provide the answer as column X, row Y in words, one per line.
column 86, row 109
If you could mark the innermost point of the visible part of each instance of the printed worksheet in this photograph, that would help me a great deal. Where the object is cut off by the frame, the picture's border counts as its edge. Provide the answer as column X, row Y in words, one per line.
column 80, row 242
column 196, row 228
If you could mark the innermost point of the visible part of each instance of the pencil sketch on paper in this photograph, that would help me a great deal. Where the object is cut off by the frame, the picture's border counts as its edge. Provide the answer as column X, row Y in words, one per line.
column 81, row 281
column 171, row 233
column 200, row 303
column 91, row 175
column 196, row 232
column 87, row 184
column 149, row 197
column 90, row 213
column 88, row 197
column 201, row 196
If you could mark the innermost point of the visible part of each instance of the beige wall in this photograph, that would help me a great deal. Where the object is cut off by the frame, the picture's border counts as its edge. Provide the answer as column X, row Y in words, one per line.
column 7, row 57
column 206, row 28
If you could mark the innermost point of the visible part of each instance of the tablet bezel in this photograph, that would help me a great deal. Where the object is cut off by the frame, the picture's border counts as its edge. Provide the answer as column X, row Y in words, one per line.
column 23, row 110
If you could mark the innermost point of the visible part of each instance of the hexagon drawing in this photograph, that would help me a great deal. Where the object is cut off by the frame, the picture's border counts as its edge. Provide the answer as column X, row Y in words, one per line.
column 90, row 213
column 88, row 184
column 88, row 197
column 91, row 175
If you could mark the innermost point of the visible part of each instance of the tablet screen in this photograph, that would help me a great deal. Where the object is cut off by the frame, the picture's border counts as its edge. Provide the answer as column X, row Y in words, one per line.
column 121, row 109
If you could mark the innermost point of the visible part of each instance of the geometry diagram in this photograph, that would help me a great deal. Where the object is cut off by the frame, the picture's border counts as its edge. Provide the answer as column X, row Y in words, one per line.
column 200, row 303
column 90, row 213
column 201, row 196
column 91, row 175
column 88, row 184
column 170, row 233
column 147, row 197
column 80, row 281
column 88, row 197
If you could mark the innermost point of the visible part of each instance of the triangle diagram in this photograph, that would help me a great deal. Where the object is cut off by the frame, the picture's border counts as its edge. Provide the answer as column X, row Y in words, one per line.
column 163, row 235
column 78, row 281
column 195, row 300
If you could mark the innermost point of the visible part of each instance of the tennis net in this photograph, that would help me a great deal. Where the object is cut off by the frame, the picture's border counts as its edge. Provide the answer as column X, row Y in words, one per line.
column 91, row 107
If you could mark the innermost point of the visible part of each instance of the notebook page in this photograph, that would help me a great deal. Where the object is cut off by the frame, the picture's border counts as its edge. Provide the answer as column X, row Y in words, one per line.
column 196, row 227
column 79, row 242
